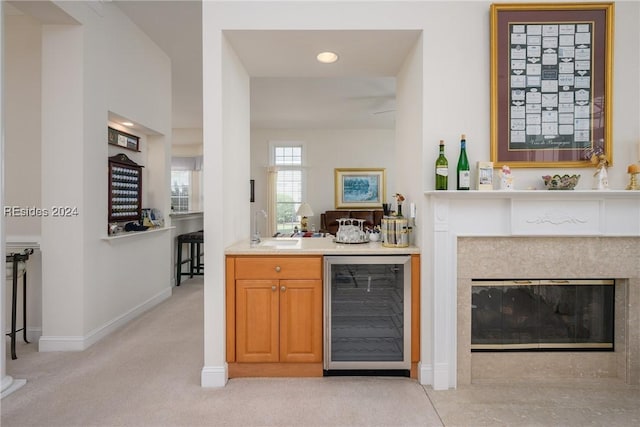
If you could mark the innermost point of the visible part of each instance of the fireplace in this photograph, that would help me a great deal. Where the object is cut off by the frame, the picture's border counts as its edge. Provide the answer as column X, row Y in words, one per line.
column 601, row 258
column 542, row 315
column 528, row 235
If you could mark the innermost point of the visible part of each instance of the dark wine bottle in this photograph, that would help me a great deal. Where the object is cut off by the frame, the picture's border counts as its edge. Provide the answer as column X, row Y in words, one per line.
column 464, row 174
column 442, row 170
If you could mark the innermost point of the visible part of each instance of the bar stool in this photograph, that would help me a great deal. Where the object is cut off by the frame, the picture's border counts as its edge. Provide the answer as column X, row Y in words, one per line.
column 196, row 267
column 16, row 267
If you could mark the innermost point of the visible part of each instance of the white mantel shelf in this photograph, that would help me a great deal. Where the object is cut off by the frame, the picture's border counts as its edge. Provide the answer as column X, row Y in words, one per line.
column 535, row 194
column 448, row 215
column 536, row 212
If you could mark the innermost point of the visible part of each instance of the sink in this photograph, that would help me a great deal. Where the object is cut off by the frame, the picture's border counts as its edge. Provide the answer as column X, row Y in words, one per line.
column 279, row 243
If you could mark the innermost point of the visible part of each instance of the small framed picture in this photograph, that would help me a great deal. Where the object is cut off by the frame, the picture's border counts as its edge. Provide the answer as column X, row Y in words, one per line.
column 123, row 139
column 359, row 188
column 485, row 176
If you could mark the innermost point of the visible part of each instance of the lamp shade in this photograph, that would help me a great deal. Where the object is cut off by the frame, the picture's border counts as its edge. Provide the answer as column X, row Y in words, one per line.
column 304, row 210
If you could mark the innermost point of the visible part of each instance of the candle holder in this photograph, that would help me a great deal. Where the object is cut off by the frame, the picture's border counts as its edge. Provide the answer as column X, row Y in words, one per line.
column 633, row 182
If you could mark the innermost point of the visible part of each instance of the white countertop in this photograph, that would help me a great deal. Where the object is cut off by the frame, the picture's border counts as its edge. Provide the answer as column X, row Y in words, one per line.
column 313, row 246
column 181, row 215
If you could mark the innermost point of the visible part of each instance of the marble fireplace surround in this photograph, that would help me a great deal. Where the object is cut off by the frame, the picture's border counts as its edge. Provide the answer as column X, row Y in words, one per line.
column 529, row 235
column 560, row 258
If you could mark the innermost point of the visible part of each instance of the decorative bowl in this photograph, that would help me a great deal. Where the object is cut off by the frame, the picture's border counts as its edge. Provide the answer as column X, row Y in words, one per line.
column 564, row 182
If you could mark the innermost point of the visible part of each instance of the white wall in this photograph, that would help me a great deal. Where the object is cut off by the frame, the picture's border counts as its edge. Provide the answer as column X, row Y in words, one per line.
column 22, row 152
column 458, row 102
column 226, row 174
column 122, row 277
column 455, row 100
column 62, row 181
column 186, row 150
column 22, row 132
column 109, row 66
column 410, row 100
column 235, row 148
column 326, row 149
column 217, row 17
column 187, row 137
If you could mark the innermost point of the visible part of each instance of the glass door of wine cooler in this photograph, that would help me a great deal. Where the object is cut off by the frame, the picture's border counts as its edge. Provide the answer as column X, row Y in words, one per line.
column 367, row 312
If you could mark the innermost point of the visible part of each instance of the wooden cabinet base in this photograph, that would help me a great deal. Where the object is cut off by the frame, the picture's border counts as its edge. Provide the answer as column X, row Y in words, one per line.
column 239, row 370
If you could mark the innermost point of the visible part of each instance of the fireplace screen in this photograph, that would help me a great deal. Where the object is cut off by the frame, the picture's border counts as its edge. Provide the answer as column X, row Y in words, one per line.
column 542, row 315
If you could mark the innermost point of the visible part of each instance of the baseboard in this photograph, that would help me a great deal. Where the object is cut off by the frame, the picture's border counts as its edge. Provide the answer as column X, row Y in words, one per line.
column 214, row 376
column 61, row 343
column 275, row 369
column 425, row 373
column 441, row 380
column 33, row 334
column 80, row 343
column 10, row 384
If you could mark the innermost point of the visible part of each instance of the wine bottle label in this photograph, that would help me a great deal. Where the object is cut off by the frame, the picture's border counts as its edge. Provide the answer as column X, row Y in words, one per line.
column 464, row 179
column 442, row 171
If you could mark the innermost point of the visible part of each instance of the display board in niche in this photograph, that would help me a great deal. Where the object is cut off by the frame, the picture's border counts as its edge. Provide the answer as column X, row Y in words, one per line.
column 125, row 189
column 123, row 139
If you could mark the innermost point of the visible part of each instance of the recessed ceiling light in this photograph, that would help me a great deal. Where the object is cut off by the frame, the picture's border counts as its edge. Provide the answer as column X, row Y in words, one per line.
column 127, row 124
column 327, row 57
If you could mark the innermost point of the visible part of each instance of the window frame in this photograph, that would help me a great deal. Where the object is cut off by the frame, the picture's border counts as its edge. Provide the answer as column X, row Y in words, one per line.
column 302, row 168
column 189, row 191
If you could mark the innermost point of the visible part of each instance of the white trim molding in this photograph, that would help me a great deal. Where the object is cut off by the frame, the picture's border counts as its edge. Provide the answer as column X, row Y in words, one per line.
column 9, row 385
column 80, row 343
column 453, row 214
column 214, row 376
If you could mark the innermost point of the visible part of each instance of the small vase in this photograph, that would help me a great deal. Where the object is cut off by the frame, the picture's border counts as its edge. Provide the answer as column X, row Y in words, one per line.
column 601, row 179
column 399, row 213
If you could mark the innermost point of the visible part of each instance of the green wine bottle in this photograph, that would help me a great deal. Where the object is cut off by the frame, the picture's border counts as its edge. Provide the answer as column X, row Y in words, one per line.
column 464, row 174
column 442, row 170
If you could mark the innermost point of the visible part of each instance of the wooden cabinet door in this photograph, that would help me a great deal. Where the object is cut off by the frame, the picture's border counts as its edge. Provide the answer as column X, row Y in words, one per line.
column 257, row 326
column 300, row 320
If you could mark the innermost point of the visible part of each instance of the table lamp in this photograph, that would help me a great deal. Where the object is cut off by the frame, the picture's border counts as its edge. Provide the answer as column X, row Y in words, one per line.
column 304, row 211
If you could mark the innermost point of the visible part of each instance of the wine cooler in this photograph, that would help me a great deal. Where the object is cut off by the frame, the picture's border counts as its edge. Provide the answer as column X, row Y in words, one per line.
column 367, row 326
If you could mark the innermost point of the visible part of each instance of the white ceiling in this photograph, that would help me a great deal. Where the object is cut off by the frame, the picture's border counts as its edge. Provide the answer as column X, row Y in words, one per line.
column 289, row 88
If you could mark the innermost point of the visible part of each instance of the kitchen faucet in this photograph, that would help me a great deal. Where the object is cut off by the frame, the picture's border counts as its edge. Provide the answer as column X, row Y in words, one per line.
column 255, row 239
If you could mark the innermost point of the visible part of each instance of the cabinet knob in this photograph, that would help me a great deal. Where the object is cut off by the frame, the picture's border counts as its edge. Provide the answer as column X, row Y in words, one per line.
column 273, row 288
column 277, row 268
column 283, row 288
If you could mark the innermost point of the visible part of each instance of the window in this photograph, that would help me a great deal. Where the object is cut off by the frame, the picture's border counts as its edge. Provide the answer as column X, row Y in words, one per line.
column 186, row 184
column 180, row 189
column 289, row 184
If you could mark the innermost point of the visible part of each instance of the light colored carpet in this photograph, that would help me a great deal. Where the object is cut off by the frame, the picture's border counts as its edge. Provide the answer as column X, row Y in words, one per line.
column 148, row 374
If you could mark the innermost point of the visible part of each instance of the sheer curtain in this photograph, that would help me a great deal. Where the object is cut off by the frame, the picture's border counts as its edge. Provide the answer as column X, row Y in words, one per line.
column 193, row 165
column 272, row 180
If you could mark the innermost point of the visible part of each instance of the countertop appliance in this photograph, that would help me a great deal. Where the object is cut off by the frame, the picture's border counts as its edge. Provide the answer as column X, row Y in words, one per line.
column 367, row 323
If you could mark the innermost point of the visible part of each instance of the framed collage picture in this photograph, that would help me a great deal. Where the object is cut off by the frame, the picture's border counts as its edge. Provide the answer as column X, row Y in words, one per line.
column 551, row 89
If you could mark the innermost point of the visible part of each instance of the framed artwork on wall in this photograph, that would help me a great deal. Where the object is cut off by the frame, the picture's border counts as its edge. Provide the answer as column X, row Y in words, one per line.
column 359, row 188
column 123, row 139
column 551, row 88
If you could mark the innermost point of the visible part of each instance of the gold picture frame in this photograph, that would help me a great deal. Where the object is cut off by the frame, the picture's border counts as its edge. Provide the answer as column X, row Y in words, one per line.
column 359, row 188
column 551, row 83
